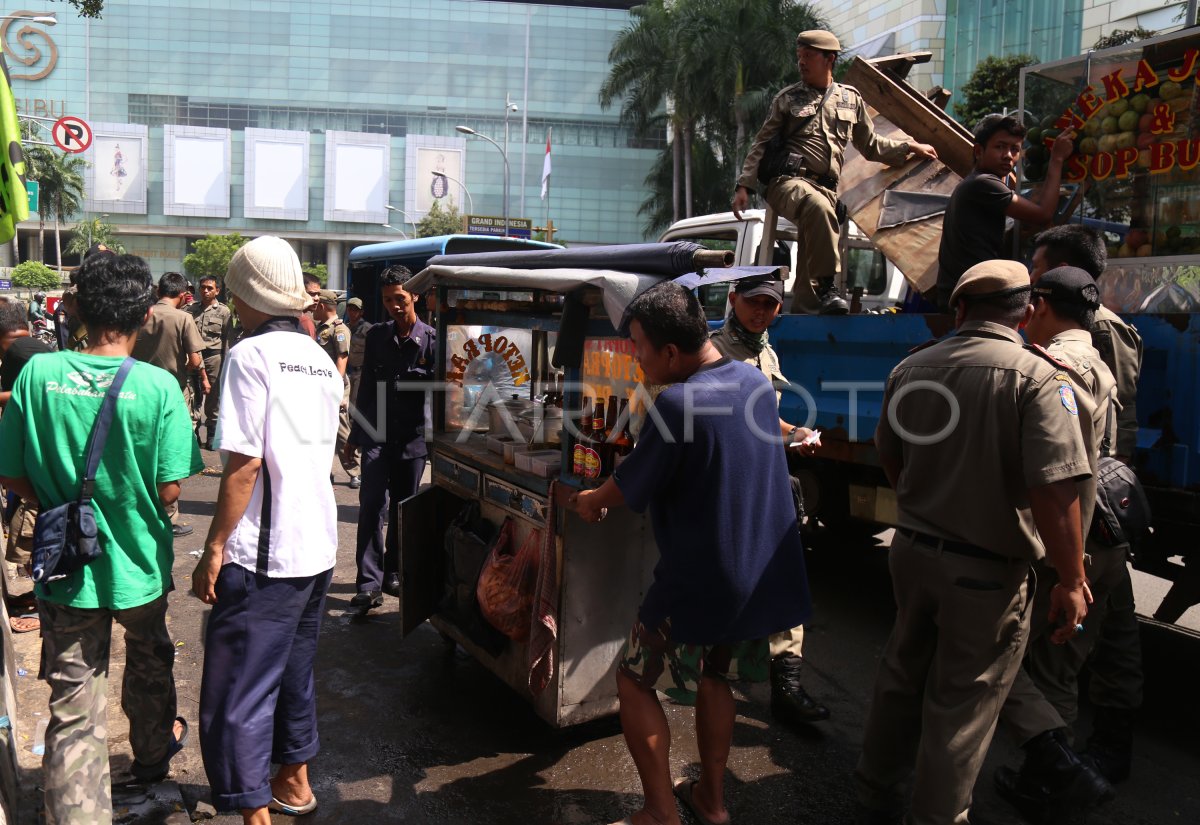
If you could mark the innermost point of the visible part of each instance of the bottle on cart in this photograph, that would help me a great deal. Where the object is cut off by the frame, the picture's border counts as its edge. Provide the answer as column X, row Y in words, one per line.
column 598, row 465
column 579, row 451
column 623, row 443
column 610, row 420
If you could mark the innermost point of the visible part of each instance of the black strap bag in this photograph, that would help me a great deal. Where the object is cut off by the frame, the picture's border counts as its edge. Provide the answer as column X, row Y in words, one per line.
column 65, row 538
column 1122, row 514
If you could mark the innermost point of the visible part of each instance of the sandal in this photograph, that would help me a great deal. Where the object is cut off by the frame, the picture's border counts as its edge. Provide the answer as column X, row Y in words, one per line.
column 24, row 624
column 152, row 774
column 683, row 792
column 292, row 810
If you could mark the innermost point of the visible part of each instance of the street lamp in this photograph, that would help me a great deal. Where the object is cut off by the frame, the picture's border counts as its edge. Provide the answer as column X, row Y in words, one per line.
column 41, row 19
column 403, row 214
column 92, row 224
column 394, row 229
column 467, row 130
column 466, row 191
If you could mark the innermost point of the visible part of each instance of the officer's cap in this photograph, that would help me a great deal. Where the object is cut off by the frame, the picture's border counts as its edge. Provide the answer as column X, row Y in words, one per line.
column 818, row 39
column 328, row 297
column 1068, row 285
column 765, row 285
column 991, row 279
column 355, row 302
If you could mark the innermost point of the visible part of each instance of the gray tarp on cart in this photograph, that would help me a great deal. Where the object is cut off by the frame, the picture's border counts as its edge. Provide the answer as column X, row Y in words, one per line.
column 661, row 259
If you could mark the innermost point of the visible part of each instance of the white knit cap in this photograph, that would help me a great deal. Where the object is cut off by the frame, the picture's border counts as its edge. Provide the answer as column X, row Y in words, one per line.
column 266, row 274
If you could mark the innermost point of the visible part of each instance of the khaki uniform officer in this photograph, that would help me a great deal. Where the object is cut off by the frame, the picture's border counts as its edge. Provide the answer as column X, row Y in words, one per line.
column 215, row 323
column 1043, row 702
column 818, row 118
column 334, row 337
column 754, row 304
column 979, row 437
column 358, row 326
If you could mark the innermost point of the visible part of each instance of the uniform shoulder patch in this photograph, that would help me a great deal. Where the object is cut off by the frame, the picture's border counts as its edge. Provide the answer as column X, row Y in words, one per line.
column 1041, row 352
column 1067, row 395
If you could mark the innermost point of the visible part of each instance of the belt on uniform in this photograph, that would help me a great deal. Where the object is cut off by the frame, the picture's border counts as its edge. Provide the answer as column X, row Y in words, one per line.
column 960, row 548
column 829, row 182
column 208, row 352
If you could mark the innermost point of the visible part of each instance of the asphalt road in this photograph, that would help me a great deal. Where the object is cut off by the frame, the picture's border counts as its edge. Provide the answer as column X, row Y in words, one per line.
column 413, row 731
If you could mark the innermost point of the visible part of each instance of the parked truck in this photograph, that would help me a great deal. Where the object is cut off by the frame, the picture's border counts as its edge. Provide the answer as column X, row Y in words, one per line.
column 1136, row 110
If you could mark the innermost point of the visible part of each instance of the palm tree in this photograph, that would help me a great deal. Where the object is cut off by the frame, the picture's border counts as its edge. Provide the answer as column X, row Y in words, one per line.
column 61, row 179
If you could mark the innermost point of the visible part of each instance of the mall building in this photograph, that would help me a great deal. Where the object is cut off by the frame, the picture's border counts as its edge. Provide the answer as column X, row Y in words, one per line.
column 960, row 33
column 321, row 121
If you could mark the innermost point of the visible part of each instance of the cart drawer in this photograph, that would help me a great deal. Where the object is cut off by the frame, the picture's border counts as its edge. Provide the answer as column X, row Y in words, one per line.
column 455, row 475
column 513, row 498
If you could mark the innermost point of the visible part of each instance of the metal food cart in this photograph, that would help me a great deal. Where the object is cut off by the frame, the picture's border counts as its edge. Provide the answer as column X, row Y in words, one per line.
column 505, row 332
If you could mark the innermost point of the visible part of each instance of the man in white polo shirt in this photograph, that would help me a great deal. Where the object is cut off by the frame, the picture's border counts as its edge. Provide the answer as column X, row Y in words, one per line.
column 270, row 550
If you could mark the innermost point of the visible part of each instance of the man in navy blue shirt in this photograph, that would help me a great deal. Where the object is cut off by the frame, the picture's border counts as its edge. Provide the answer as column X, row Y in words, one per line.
column 710, row 465
column 398, row 364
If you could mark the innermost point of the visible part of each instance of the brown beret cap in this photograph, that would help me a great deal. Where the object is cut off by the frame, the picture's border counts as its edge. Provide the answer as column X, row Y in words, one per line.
column 328, row 297
column 819, row 39
column 355, row 302
column 991, row 279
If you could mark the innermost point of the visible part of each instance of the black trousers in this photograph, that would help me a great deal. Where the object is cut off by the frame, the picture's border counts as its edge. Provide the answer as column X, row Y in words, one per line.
column 384, row 479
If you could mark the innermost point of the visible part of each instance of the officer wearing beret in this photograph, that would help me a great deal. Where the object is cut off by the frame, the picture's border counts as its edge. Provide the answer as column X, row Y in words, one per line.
column 1043, row 703
column 818, row 118
column 979, row 437
column 754, row 304
column 334, row 337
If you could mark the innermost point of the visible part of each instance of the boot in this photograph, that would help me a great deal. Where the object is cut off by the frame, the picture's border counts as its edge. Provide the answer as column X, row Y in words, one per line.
column 1110, row 747
column 832, row 302
column 790, row 703
column 1052, row 784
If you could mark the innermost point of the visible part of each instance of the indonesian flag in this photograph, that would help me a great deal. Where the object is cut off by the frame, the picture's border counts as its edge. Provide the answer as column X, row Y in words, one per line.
column 546, row 167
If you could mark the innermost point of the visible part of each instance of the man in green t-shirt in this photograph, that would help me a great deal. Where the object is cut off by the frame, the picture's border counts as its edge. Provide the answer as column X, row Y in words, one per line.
column 150, row 449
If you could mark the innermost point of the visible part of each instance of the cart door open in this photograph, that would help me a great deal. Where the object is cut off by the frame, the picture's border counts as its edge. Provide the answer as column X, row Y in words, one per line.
column 422, row 521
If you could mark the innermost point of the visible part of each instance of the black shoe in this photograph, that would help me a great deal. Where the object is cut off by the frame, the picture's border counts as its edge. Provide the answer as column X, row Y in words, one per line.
column 790, row 703
column 866, row 816
column 1110, row 748
column 208, row 444
column 391, row 584
column 832, row 302
column 367, row 599
column 1053, row 783
column 181, row 530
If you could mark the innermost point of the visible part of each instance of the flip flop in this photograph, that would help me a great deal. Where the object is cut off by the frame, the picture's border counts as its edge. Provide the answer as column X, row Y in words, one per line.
column 292, row 810
column 156, row 773
column 683, row 792
column 24, row 624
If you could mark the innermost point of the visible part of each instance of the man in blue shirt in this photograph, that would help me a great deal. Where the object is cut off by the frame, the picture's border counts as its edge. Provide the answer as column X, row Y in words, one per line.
column 398, row 363
column 710, row 465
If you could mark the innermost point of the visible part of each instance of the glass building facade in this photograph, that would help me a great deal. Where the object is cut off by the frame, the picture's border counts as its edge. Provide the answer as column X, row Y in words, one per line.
column 403, row 72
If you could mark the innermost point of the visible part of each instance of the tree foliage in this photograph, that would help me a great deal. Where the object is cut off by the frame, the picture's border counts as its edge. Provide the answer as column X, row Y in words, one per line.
column 994, row 86
column 88, row 8
column 35, row 275
column 93, row 231
column 440, row 220
column 704, row 72
column 211, row 255
column 1122, row 36
column 60, row 176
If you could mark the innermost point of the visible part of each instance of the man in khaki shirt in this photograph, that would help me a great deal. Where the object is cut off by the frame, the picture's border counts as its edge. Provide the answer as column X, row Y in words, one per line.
column 1042, row 705
column 358, row 327
column 169, row 339
column 1115, row 687
column 215, row 324
column 754, row 304
column 979, row 438
column 334, row 337
column 818, row 119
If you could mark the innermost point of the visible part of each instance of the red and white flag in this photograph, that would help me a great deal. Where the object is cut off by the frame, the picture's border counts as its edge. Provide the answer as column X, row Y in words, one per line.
column 546, row 167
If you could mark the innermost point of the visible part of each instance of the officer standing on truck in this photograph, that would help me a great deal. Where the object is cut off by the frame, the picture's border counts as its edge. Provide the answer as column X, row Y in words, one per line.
column 968, row 532
column 754, row 305
column 815, row 118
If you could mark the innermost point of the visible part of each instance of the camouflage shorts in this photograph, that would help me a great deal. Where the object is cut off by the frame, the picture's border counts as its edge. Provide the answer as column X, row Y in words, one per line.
column 652, row 660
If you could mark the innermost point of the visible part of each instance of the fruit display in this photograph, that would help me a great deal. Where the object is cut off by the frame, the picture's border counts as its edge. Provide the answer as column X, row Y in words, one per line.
column 1137, row 153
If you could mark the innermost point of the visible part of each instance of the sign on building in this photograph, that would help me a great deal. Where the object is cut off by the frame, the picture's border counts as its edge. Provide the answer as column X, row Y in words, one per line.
column 492, row 225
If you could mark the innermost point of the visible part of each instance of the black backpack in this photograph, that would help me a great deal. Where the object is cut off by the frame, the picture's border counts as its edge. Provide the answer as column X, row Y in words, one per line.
column 1122, row 514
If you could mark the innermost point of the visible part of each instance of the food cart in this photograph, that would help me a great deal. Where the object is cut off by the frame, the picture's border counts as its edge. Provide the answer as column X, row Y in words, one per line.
column 514, row 328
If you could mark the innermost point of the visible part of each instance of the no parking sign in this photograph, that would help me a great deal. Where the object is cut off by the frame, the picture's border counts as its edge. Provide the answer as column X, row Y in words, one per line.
column 71, row 134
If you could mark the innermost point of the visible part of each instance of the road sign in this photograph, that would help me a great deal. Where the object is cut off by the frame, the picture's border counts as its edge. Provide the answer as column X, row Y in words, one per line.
column 5, row 283
column 492, row 225
column 34, row 189
column 71, row 134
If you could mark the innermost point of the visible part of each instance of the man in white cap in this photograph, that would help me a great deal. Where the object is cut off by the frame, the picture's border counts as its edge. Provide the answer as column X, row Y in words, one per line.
column 270, row 550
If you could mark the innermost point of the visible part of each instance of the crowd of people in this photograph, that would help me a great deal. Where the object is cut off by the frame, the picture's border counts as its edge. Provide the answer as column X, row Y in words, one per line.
column 1003, row 592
